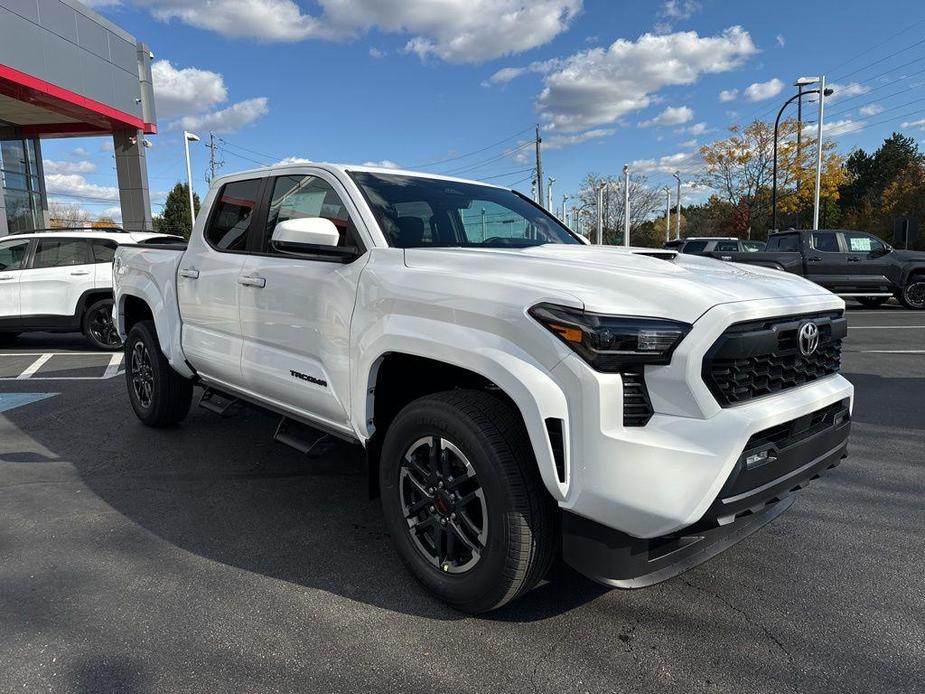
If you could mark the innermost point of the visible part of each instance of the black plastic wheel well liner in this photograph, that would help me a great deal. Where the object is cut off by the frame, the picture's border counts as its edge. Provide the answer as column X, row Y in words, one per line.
column 135, row 310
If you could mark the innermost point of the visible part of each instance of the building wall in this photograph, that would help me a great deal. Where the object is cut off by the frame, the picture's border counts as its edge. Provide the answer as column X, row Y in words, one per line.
column 69, row 45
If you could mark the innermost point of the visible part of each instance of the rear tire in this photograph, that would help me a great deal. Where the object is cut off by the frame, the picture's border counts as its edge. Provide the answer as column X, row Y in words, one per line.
column 912, row 295
column 159, row 395
column 872, row 301
column 482, row 454
column 98, row 326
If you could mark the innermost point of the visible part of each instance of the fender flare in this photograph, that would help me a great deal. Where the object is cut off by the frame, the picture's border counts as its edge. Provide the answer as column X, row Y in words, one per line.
column 525, row 381
column 908, row 272
column 166, row 320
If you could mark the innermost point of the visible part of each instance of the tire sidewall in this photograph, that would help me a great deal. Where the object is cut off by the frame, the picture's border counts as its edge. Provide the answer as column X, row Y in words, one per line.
column 96, row 305
column 411, row 424
column 139, row 334
column 918, row 279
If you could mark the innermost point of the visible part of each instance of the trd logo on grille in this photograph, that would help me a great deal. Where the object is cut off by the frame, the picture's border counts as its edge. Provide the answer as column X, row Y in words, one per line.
column 809, row 338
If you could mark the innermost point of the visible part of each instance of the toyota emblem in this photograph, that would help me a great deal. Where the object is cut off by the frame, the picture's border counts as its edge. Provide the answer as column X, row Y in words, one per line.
column 809, row 338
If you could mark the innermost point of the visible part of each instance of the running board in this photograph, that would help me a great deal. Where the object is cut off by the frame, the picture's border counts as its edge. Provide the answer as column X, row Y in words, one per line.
column 216, row 402
column 303, row 438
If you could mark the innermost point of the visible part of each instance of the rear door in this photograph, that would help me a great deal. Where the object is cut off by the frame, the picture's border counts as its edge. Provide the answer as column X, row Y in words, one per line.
column 103, row 250
column 207, row 283
column 61, row 270
column 13, row 254
column 724, row 249
column 826, row 261
column 296, row 309
column 868, row 263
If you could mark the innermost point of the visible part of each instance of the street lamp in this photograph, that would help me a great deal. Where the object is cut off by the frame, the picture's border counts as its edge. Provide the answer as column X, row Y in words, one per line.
column 823, row 92
column 549, row 200
column 187, row 138
column 564, row 210
column 667, row 214
column 677, row 224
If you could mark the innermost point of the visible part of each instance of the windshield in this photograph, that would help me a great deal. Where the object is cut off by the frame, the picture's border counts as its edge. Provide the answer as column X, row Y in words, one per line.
column 416, row 212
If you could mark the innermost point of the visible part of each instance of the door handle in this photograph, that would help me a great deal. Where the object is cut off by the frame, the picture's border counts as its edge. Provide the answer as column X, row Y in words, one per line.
column 80, row 273
column 853, row 259
column 252, row 281
column 814, row 259
column 189, row 273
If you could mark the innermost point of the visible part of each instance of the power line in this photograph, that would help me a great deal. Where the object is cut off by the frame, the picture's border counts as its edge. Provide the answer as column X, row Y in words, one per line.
column 876, row 46
column 271, row 157
column 469, row 154
column 479, row 165
column 877, row 62
column 879, row 98
column 506, row 174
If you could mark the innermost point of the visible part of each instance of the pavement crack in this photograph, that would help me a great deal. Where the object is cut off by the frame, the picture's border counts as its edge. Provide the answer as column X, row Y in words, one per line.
column 536, row 666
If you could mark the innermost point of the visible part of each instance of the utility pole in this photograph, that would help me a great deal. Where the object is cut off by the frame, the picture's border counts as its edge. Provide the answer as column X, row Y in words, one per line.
column 799, row 128
column 626, row 205
column 667, row 214
column 677, row 221
column 539, row 169
column 600, row 215
column 187, row 138
column 564, row 209
column 214, row 162
column 819, row 151
column 549, row 198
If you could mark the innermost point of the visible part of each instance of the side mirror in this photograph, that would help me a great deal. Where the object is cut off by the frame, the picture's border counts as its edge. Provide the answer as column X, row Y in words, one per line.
column 313, row 236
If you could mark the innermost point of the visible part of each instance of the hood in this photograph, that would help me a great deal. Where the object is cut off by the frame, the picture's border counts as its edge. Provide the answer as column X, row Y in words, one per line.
column 609, row 279
column 908, row 256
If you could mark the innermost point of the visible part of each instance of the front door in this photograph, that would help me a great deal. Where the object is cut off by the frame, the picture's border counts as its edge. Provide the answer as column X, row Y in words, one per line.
column 62, row 269
column 868, row 263
column 12, row 257
column 296, row 309
column 207, row 283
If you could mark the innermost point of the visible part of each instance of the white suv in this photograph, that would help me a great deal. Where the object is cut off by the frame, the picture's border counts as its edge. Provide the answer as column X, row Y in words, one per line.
column 61, row 281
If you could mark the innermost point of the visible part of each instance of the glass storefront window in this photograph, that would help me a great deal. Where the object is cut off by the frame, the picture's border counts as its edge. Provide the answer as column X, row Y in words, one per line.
column 20, row 185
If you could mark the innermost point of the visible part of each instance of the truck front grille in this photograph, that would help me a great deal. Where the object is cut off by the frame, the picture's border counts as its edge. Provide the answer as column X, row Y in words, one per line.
column 763, row 357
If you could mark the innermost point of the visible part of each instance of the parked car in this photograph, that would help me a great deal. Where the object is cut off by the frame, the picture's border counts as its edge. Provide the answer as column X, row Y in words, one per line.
column 60, row 280
column 696, row 245
column 849, row 263
column 516, row 390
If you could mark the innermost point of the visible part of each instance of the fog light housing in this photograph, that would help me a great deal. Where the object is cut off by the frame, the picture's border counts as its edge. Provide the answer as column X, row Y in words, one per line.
column 760, row 458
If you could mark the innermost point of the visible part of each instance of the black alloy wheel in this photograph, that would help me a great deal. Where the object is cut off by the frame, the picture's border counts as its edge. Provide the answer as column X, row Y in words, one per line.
column 142, row 374
column 913, row 294
column 99, row 327
column 444, row 505
column 159, row 395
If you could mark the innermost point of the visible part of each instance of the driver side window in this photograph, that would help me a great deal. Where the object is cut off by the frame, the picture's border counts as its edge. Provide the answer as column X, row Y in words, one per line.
column 863, row 243
column 298, row 197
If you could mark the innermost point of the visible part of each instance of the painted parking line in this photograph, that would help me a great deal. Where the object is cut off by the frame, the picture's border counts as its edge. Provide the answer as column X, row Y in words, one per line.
column 10, row 401
column 112, row 370
column 30, row 370
column 60, row 366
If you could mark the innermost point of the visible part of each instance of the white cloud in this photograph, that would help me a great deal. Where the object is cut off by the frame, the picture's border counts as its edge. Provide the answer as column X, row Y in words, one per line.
column 871, row 110
column 182, row 91
column 114, row 213
column 293, row 160
column 673, row 115
column 697, row 129
column 597, row 86
column 781, row 41
column 458, row 31
column 228, row 119
column 77, row 186
column 685, row 162
column 377, row 53
column 689, row 144
column 79, row 152
column 920, row 124
column 679, row 9
column 759, row 91
column 384, row 164
column 728, row 95
column 843, row 91
column 68, row 167
column 560, row 141
column 107, row 146
column 835, row 128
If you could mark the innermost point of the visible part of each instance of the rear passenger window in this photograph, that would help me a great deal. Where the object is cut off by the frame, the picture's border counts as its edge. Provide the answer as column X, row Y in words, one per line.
column 103, row 251
column 825, row 241
column 231, row 215
column 13, row 253
column 61, row 253
column 694, row 247
column 296, row 197
column 727, row 246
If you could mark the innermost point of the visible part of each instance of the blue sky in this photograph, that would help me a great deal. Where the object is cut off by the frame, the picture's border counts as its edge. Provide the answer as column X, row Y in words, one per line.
column 413, row 82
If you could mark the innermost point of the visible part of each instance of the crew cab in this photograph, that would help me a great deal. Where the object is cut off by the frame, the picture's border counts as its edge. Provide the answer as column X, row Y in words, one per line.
column 516, row 390
column 705, row 245
column 60, row 280
column 849, row 263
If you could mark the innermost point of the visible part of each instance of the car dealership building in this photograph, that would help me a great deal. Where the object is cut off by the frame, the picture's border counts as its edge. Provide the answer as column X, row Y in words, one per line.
column 65, row 71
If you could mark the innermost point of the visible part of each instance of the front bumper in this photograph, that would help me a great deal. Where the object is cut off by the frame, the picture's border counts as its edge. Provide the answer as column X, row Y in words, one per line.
column 755, row 493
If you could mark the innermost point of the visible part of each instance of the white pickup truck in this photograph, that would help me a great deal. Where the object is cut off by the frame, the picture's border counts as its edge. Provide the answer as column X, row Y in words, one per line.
column 521, row 394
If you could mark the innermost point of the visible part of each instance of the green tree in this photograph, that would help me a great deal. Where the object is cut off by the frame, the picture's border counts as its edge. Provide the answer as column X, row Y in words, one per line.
column 175, row 219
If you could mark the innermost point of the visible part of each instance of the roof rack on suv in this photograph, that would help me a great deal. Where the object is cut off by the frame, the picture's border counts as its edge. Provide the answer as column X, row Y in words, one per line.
column 106, row 230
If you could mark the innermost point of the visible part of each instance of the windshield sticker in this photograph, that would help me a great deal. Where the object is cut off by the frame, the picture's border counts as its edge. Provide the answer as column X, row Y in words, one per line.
column 860, row 243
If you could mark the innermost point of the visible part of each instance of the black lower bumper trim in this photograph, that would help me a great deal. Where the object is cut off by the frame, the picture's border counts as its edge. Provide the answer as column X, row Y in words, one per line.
column 622, row 561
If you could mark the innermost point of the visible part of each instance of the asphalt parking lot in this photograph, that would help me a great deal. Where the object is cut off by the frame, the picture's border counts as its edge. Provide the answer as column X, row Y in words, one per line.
column 208, row 558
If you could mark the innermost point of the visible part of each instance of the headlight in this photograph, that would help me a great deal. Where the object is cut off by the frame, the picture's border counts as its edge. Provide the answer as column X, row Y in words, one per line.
column 611, row 343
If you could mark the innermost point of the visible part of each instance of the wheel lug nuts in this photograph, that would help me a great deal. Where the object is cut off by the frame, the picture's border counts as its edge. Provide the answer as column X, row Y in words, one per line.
column 431, row 509
column 443, row 521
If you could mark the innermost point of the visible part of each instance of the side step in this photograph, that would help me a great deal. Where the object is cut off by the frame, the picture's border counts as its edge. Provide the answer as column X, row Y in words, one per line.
column 303, row 438
column 216, row 402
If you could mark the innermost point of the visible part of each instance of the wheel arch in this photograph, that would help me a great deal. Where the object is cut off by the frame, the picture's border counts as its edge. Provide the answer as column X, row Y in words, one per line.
column 134, row 307
column 910, row 272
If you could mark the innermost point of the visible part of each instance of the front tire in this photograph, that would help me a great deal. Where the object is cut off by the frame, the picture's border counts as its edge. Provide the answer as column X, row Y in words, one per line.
column 98, row 326
column 912, row 295
column 463, row 500
column 159, row 395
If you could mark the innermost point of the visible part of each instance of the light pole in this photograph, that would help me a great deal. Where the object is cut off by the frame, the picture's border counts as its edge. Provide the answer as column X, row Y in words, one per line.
column 600, row 215
column 187, row 138
column 564, row 210
column 823, row 92
column 549, row 200
column 626, row 205
column 667, row 214
column 819, row 151
column 677, row 222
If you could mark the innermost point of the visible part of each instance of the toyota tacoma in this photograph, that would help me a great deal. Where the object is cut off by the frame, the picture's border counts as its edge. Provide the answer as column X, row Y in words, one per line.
column 520, row 394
